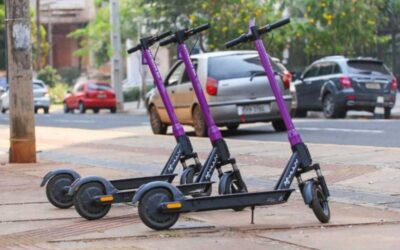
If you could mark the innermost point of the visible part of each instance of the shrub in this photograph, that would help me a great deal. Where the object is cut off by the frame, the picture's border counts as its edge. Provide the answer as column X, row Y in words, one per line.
column 69, row 75
column 133, row 94
column 57, row 93
column 49, row 75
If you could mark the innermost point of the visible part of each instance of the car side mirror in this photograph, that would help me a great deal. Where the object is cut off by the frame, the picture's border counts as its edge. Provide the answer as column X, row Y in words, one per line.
column 69, row 92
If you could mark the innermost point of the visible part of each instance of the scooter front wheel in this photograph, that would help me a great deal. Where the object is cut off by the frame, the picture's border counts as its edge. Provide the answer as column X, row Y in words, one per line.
column 188, row 175
column 320, row 205
column 149, row 211
column 85, row 204
column 57, row 189
column 230, row 185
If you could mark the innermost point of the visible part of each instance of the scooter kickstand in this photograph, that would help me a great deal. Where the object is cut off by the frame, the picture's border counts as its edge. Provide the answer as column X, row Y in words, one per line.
column 252, row 214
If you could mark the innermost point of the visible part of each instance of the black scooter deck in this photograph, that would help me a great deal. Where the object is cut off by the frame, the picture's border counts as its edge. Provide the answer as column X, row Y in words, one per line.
column 134, row 183
column 230, row 201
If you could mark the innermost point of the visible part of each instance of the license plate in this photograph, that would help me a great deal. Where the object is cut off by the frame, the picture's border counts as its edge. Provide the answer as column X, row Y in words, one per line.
column 253, row 109
column 101, row 96
column 373, row 86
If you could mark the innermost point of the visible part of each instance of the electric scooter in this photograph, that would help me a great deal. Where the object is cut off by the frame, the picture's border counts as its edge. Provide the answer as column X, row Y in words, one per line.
column 93, row 195
column 160, row 205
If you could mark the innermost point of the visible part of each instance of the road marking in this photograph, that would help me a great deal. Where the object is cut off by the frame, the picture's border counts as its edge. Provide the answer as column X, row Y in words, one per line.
column 75, row 121
column 344, row 130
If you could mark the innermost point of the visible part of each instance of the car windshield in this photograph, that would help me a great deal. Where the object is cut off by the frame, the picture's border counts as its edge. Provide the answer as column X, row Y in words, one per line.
column 99, row 86
column 38, row 85
column 367, row 67
column 237, row 66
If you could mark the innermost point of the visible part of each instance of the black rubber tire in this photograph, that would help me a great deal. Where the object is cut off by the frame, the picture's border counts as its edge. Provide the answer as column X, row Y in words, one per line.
column 96, row 110
column 113, row 110
column 300, row 113
column 230, row 187
column 188, row 175
column 56, row 191
column 279, row 125
column 84, row 204
column 3, row 110
column 200, row 126
column 388, row 113
column 65, row 108
column 320, row 205
column 233, row 127
column 331, row 109
column 46, row 110
column 149, row 212
column 157, row 126
column 36, row 110
column 82, row 108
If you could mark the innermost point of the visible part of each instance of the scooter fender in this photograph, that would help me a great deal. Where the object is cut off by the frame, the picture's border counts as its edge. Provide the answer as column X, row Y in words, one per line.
column 176, row 193
column 53, row 173
column 222, row 182
column 307, row 192
column 109, row 188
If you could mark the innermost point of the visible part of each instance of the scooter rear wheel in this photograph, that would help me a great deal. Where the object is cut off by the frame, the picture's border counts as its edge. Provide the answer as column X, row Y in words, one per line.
column 230, row 185
column 85, row 204
column 57, row 189
column 150, row 213
column 188, row 177
column 320, row 205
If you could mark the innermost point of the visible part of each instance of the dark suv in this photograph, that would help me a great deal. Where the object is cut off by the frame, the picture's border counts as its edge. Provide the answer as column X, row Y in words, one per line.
column 337, row 84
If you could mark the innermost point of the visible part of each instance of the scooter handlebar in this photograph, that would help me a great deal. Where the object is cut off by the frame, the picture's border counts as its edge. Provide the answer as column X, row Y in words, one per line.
column 162, row 36
column 168, row 41
column 196, row 30
column 269, row 27
column 238, row 40
column 134, row 49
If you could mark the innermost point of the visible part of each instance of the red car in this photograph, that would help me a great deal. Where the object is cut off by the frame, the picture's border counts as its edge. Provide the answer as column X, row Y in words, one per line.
column 90, row 95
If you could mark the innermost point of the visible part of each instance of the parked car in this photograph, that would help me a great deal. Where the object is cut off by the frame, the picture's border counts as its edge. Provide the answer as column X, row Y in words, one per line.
column 3, row 85
column 41, row 98
column 337, row 84
column 236, row 89
column 92, row 95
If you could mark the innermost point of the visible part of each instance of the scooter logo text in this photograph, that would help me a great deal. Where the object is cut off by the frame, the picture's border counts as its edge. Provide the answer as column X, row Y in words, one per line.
column 291, row 173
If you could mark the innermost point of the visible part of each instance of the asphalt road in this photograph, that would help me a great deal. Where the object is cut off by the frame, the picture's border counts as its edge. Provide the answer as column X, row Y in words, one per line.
column 364, row 131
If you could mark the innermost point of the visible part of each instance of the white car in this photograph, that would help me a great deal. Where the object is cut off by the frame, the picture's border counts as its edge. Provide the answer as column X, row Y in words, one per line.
column 41, row 98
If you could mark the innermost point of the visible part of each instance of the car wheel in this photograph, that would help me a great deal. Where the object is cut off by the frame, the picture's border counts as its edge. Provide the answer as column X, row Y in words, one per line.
column 82, row 108
column 200, row 127
column 331, row 109
column 113, row 110
column 279, row 125
column 233, row 127
column 36, row 110
column 3, row 110
column 300, row 113
column 46, row 110
column 96, row 110
column 65, row 108
column 157, row 126
column 388, row 113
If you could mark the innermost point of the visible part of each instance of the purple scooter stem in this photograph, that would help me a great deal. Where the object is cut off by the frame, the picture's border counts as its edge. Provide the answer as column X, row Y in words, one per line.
column 293, row 135
column 176, row 126
column 213, row 130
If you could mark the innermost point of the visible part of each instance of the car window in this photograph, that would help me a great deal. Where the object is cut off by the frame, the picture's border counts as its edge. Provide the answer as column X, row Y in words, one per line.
column 185, row 76
column 336, row 69
column 236, row 66
column 311, row 72
column 78, row 88
column 175, row 75
column 99, row 86
column 325, row 69
column 367, row 67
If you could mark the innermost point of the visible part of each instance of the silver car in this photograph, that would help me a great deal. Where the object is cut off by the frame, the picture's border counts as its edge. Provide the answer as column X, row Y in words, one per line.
column 41, row 98
column 236, row 89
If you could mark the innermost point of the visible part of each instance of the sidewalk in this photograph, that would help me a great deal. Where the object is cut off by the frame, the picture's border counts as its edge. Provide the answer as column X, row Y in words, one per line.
column 364, row 182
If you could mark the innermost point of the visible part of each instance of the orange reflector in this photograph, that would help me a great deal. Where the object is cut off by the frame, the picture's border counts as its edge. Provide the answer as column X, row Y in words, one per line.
column 106, row 198
column 175, row 205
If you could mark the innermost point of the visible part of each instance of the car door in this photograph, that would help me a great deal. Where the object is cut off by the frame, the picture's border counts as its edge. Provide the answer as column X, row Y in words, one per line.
column 303, row 87
column 324, row 72
column 171, row 83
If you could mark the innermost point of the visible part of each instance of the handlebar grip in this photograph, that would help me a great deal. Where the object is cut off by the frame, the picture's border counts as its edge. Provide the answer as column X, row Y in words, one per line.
column 236, row 41
column 162, row 36
column 200, row 28
column 274, row 25
column 168, row 41
column 134, row 49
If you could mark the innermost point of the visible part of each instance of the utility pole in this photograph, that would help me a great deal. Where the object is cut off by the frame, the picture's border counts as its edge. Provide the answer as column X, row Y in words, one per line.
column 22, row 120
column 116, row 67
column 38, row 37
column 50, row 35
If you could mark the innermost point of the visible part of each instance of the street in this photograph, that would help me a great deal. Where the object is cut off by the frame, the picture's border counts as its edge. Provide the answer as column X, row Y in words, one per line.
column 356, row 130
